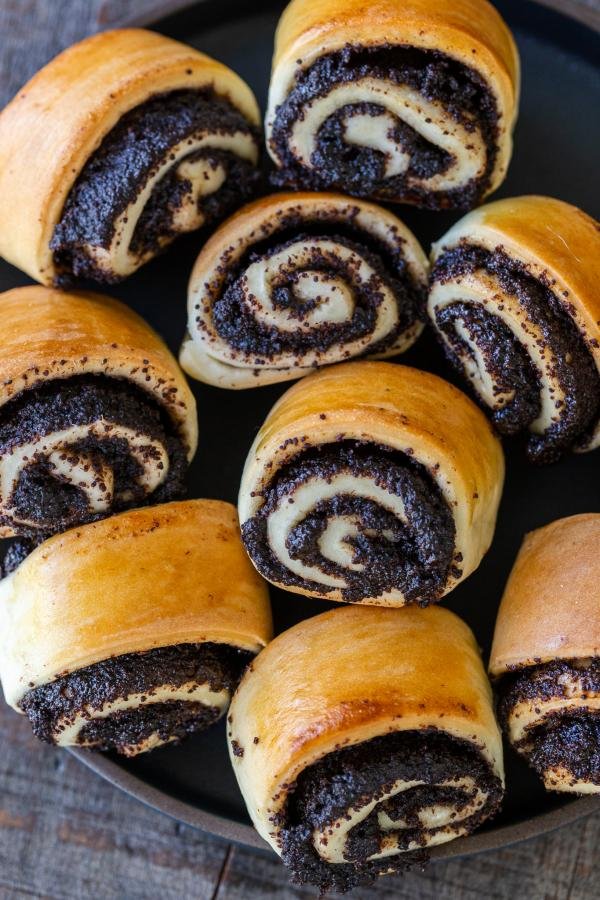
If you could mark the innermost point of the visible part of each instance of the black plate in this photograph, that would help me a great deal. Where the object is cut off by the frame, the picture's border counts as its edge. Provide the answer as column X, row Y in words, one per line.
column 557, row 144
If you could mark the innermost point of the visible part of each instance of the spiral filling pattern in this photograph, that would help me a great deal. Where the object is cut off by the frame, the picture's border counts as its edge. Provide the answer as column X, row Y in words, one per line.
column 138, row 701
column 393, row 122
column 75, row 450
column 511, row 336
column 551, row 713
column 170, row 165
column 307, row 282
column 376, row 807
column 358, row 518
column 308, row 295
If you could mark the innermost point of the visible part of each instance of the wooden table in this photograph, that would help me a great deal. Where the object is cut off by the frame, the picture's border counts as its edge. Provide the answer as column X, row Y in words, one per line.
column 64, row 833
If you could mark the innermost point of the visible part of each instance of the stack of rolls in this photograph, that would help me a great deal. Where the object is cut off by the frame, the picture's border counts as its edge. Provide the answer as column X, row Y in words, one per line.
column 132, row 632
column 371, row 482
column 514, row 300
column 411, row 102
column 546, row 654
column 129, row 618
column 296, row 281
column 363, row 737
column 95, row 413
column 121, row 143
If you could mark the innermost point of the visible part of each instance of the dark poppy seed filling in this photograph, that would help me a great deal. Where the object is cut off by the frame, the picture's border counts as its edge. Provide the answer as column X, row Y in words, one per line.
column 170, row 722
column 52, row 708
column 455, row 777
column 568, row 741
column 78, row 449
column 295, row 283
column 15, row 552
column 137, row 150
column 567, row 738
column 235, row 323
column 380, row 551
column 360, row 169
column 516, row 376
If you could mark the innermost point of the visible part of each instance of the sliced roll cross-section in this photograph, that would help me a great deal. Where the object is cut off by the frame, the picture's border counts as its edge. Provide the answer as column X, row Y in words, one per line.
column 371, row 482
column 120, row 144
column 363, row 737
column 514, row 300
column 95, row 414
column 132, row 632
column 410, row 102
column 545, row 656
column 297, row 281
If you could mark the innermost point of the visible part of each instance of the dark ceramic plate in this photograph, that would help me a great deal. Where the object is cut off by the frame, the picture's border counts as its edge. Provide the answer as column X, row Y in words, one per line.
column 557, row 144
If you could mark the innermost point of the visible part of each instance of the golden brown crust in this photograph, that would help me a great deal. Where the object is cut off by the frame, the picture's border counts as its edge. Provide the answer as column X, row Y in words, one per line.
column 49, row 334
column 311, row 692
column 398, row 407
column 208, row 357
column 250, row 218
column 551, row 605
column 555, row 240
column 58, row 119
column 152, row 577
column 470, row 31
column 547, row 384
column 456, row 27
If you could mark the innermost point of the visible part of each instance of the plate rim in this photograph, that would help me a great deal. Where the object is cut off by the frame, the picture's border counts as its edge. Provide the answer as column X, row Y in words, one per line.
column 587, row 16
column 245, row 834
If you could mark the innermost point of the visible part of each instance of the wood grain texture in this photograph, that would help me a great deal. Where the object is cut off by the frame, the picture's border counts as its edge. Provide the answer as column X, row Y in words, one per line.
column 64, row 833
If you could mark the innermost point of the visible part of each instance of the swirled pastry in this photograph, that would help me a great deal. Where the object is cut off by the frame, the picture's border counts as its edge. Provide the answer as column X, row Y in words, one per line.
column 514, row 299
column 118, row 145
column 371, row 482
column 296, row 281
column 362, row 737
column 546, row 654
column 132, row 632
column 95, row 414
column 411, row 102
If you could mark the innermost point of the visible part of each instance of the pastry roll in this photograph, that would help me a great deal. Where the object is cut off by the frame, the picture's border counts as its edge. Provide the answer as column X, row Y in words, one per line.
column 363, row 737
column 296, row 281
column 132, row 632
column 514, row 299
column 371, row 482
column 546, row 654
column 411, row 102
column 95, row 414
column 118, row 145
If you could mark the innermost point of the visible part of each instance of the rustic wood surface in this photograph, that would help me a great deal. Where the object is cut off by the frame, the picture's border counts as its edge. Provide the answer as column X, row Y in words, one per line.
column 64, row 833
